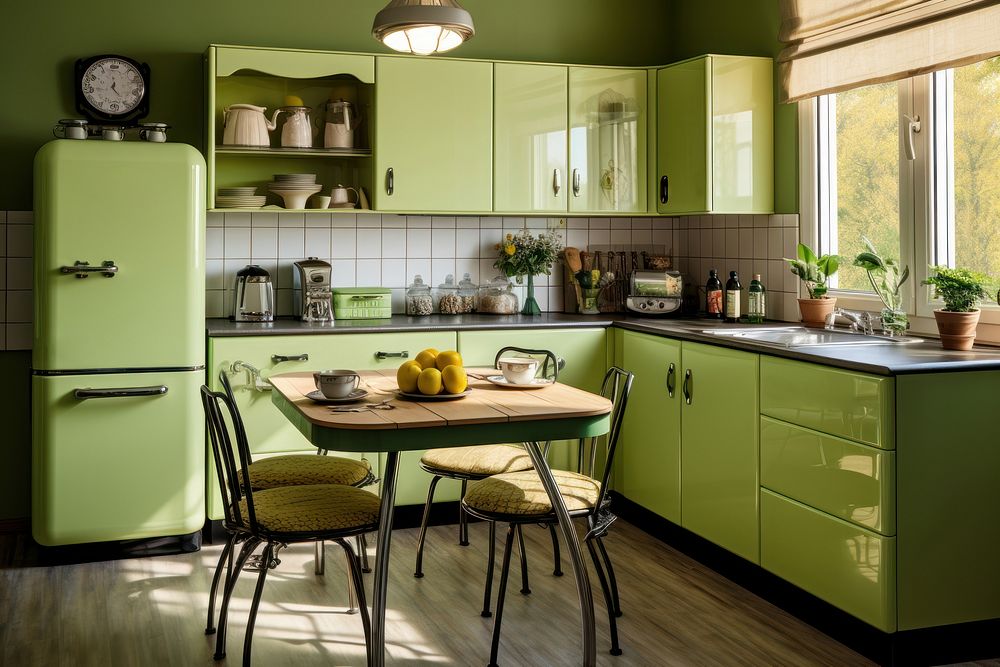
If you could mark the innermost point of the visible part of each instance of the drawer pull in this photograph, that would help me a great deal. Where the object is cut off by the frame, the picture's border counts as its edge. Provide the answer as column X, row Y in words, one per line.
column 687, row 386
column 278, row 358
column 122, row 392
column 397, row 355
column 671, row 381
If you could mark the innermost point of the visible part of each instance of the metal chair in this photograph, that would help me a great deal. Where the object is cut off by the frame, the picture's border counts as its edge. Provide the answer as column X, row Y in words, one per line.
column 278, row 517
column 288, row 470
column 479, row 462
column 518, row 498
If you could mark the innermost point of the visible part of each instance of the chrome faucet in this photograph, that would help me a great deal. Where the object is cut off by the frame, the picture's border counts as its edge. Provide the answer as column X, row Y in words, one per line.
column 859, row 321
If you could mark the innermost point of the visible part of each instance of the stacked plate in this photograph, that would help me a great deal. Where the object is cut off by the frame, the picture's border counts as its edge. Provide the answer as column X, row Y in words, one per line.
column 294, row 189
column 241, row 197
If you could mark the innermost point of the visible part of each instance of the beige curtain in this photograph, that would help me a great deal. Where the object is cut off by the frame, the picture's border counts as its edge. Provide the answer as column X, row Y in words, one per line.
column 834, row 45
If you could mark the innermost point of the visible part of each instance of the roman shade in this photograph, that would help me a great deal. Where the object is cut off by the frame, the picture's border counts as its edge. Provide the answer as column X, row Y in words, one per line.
column 834, row 45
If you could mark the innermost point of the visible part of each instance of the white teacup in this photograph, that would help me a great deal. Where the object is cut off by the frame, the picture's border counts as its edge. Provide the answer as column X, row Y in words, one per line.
column 337, row 383
column 518, row 370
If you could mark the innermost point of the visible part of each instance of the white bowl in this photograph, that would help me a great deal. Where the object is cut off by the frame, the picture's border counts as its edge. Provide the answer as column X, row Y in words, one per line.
column 518, row 370
column 296, row 198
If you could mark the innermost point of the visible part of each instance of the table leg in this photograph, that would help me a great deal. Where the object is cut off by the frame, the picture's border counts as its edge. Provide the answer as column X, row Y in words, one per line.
column 376, row 656
column 575, row 554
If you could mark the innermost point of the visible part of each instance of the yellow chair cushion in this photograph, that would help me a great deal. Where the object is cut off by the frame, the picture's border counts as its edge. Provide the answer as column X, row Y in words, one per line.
column 522, row 493
column 298, row 469
column 478, row 460
column 313, row 508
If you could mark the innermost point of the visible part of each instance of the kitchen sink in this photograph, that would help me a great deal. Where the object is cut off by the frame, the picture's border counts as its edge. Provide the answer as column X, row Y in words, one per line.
column 804, row 337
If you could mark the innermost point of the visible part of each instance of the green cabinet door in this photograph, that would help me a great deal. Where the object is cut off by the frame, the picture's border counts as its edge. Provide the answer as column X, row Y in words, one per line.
column 433, row 135
column 649, row 458
column 529, row 137
column 683, row 96
column 719, row 438
column 607, row 143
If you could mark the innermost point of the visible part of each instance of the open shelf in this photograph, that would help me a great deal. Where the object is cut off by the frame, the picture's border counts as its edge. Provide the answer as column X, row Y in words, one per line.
column 278, row 209
column 251, row 151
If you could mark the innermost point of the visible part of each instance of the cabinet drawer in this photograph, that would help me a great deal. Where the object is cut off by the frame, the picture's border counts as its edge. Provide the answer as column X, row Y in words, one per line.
column 293, row 64
column 851, row 405
column 849, row 567
column 850, row 481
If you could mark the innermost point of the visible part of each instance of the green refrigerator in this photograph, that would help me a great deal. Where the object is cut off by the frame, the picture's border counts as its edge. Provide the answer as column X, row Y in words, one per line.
column 119, row 351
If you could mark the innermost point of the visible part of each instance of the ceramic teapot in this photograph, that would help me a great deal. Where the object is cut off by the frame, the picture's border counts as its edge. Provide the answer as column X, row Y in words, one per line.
column 339, row 197
column 298, row 130
column 246, row 125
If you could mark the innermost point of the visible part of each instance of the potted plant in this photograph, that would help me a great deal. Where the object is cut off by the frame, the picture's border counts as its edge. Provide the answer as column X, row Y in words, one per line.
column 886, row 278
column 962, row 290
column 524, row 254
column 814, row 272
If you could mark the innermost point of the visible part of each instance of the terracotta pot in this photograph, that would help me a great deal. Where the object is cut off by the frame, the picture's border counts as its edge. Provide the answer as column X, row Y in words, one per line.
column 958, row 330
column 814, row 311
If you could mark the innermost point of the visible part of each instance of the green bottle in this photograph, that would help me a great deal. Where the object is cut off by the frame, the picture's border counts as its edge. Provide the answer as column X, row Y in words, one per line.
column 755, row 301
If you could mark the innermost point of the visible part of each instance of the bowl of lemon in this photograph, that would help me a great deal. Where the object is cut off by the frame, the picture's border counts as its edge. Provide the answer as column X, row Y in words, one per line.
column 433, row 376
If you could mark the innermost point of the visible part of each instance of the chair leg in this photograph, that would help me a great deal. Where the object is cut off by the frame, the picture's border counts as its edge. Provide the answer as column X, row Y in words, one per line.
column 255, row 604
column 611, row 576
column 418, row 571
column 220, row 638
column 362, row 544
column 490, row 562
column 504, row 571
column 612, row 622
column 525, row 589
column 354, row 568
column 320, row 561
column 224, row 558
column 463, row 519
column 556, row 560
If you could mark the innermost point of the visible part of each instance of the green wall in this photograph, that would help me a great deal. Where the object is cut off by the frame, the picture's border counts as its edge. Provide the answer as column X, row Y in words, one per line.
column 747, row 28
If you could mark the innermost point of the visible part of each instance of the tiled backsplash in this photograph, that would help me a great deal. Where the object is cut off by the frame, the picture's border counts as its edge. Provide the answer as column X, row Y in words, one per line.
column 369, row 250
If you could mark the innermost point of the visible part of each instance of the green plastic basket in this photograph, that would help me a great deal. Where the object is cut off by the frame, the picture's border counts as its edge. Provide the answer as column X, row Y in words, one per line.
column 362, row 303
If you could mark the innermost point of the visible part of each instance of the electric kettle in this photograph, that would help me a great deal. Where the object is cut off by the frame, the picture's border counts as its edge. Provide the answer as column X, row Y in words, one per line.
column 341, row 121
column 253, row 295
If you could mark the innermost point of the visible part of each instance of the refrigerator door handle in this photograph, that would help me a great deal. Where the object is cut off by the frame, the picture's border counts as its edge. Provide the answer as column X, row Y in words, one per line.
column 84, row 269
column 120, row 392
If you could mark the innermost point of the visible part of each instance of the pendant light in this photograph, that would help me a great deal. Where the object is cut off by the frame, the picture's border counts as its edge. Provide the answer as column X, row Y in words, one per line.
column 423, row 26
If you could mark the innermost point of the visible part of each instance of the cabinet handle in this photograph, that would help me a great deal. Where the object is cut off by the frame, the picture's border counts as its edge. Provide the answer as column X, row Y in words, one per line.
column 398, row 355
column 83, row 269
column 671, row 381
column 556, row 181
column 390, row 181
column 687, row 386
column 123, row 392
column 278, row 358
column 664, row 189
column 576, row 182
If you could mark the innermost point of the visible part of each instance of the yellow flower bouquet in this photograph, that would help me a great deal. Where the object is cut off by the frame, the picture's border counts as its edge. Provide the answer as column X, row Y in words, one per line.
column 525, row 254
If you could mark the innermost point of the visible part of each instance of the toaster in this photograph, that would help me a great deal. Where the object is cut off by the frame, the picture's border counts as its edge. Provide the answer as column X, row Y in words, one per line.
column 253, row 295
column 313, row 294
column 655, row 292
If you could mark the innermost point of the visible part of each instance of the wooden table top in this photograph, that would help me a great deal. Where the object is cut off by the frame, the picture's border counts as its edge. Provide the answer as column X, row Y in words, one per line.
column 487, row 404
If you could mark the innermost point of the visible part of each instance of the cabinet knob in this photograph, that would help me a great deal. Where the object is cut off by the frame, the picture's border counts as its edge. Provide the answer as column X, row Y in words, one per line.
column 390, row 184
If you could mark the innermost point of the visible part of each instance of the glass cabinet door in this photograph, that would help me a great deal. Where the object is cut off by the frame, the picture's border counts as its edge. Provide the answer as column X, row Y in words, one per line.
column 607, row 144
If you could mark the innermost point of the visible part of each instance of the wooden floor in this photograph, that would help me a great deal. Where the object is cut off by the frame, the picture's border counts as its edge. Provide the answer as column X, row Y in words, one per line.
column 151, row 611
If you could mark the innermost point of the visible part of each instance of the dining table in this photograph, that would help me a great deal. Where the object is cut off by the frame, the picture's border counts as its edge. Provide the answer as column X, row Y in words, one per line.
column 487, row 414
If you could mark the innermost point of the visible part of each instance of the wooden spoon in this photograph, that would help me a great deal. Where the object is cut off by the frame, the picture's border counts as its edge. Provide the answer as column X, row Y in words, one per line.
column 573, row 259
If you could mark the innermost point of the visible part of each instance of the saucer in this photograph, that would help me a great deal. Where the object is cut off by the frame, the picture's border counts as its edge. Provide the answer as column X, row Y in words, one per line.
column 355, row 395
column 501, row 381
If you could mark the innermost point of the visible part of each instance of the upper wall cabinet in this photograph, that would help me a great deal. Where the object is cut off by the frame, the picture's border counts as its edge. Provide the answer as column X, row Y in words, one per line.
column 264, row 78
column 529, row 138
column 607, row 140
column 715, row 147
column 434, row 135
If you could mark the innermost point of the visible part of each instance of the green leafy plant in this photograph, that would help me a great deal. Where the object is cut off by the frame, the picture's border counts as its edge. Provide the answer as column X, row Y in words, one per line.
column 814, row 271
column 961, row 289
column 884, row 274
column 524, row 254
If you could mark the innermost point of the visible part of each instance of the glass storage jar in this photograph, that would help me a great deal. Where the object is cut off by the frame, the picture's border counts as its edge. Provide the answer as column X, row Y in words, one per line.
column 446, row 296
column 467, row 294
column 497, row 297
column 418, row 298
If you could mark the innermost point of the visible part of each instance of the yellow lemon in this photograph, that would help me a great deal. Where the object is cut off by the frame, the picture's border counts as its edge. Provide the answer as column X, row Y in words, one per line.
column 406, row 376
column 455, row 380
column 448, row 358
column 429, row 381
column 427, row 357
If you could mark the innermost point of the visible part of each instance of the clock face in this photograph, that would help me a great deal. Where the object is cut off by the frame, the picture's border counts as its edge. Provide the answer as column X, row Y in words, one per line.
column 113, row 86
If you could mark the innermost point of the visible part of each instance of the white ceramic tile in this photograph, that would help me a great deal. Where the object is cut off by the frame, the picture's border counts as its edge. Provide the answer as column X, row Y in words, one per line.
column 393, row 273
column 467, row 222
column 3, row 241
column 717, row 221
column 291, row 243
column 680, row 242
column 317, row 243
column 284, row 302
column 577, row 223
column 369, row 220
column 418, row 222
column 317, row 220
column 486, row 270
column 3, row 276
column 718, row 243
column 418, row 243
column 390, row 221
column 542, row 298
column 393, row 241
column 641, row 223
column 790, row 306
column 467, row 265
column 467, row 243
column 215, row 219
column 760, row 220
column 705, row 242
column 790, row 281
column 443, row 222
column 19, row 336
column 441, row 269
column 241, row 219
column 20, row 217
column 599, row 237
column 369, row 273
column 577, row 238
column 775, row 275
column 369, row 242
column 560, row 235
column 621, row 236
column 213, row 303
column 343, row 243
column 775, row 248
column 512, row 223
column 536, row 223
column 418, row 267
column 230, row 267
column 398, row 301
column 343, row 220
column 264, row 242
column 760, row 243
column 558, row 271
column 746, row 243
column 746, row 220
column 19, row 305
column 774, row 220
column 215, row 243
column 555, row 304
column 662, row 237
column 264, row 219
column 490, row 222
column 237, row 241
column 488, row 240
column 600, row 223
column 790, row 220
column 789, row 241
column 342, row 273
column 443, row 242
column 214, row 274
column 661, row 223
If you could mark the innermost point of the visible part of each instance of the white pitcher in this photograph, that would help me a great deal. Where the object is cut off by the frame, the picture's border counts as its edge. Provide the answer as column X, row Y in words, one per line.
column 341, row 122
column 298, row 130
column 246, row 125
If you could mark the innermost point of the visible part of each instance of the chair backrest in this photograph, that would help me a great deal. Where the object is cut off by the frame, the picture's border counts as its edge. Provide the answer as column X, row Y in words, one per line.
column 237, row 419
column 616, row 387
column 232, row 460
column 551, row 365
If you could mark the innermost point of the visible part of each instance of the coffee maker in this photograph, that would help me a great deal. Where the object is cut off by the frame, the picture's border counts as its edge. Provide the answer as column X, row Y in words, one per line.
column 313, row 296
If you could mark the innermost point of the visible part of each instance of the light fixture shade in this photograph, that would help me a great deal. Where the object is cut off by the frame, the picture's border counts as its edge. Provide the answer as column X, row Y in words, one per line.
column 423, row 26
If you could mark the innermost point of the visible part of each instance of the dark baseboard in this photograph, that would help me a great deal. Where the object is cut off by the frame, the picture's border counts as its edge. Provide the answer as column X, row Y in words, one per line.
column 15, row 526
column 931, row 646
column 101, row 551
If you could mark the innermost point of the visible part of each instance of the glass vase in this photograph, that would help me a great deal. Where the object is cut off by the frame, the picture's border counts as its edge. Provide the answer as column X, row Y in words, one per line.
column 530, row 305
column 894, row 322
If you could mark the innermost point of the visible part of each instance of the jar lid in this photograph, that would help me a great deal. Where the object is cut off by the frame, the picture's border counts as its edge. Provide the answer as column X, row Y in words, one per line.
column 449, row 283
column 466, row 284
column 418, row 286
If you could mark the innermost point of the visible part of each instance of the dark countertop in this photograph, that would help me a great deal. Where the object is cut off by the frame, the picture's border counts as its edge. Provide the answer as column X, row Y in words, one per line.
column 923, row 357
